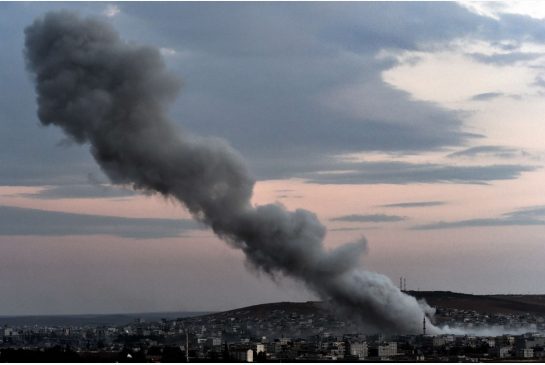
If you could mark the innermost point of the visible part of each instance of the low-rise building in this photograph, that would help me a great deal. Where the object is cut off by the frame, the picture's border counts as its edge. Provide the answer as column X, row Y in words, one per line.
column 387, row 350
column 359, row 349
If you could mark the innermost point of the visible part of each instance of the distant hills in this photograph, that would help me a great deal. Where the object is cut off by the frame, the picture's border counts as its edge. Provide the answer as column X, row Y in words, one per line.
column 497, row 303
column 534, row 304
column 92, row 319
column 264, row 311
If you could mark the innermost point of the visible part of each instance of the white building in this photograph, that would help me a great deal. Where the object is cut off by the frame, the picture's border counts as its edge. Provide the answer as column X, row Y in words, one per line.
column 503, row 351
column 250, row 356
column 359, row 349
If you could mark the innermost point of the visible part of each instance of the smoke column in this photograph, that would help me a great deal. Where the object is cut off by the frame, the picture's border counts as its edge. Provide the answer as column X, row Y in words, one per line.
column 113, row 95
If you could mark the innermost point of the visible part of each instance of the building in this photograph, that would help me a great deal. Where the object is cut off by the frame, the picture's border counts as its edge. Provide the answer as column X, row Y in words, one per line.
column 525, row 353
column 243, row 355
column 359, row 349
column 503, row 352
column 387, row 350
column 259, row 348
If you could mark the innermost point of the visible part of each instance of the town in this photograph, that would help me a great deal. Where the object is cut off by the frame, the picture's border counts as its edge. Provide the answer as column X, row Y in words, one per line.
column 278, row 332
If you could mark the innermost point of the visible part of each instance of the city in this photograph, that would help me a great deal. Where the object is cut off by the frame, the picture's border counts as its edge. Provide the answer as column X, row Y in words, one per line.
column 279, row 332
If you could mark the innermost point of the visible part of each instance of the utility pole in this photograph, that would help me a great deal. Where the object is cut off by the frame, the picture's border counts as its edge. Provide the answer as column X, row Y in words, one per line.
column 424, row 325
column 186, row 342
column 186, row 346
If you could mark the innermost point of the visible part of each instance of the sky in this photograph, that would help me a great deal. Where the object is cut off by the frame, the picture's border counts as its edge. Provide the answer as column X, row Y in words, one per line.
column 416, row 125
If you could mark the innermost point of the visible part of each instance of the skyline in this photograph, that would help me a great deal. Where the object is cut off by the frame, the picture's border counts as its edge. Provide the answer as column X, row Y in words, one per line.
column 332, row 115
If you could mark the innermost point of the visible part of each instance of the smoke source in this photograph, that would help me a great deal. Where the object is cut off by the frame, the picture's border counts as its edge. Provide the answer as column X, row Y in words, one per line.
column 113, row 95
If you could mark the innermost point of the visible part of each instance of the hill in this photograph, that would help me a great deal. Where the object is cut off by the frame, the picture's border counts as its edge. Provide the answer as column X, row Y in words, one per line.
column 497, row 303
column 492, row 304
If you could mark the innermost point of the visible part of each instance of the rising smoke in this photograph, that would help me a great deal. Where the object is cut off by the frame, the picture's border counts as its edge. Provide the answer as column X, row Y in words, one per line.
column 113, row 95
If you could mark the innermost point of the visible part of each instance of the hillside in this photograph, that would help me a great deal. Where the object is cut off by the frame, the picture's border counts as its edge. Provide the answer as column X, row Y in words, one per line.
column 265, row 310
column 534, row 304
column 494, row 304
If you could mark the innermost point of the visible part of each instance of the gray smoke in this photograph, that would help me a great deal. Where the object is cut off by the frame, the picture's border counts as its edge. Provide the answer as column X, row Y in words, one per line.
column 112, row 94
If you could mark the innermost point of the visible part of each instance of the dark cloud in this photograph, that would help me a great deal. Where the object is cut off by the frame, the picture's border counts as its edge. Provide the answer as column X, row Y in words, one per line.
column 267, row 69
column 300, row 122
column 27, row 151
column 407, row 173
column 528, row 212
column 493, row 151
column 505, row 58
column 515, row 28
column 298, row 114
column 540, row 82
column 295, row 55
column 532, row 216
column 486, row 96
column 359, row 27
column 349, row 229
column 15, row 221
column 330, row 170
column 82, row 191
column 506, row 45
column 19, row 172
column 481, row 222
column 414, row 204
column 375, row 218
column 286, row 196
column 340, row 44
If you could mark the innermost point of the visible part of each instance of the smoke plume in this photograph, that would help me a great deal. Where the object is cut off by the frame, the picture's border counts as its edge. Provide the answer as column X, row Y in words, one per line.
column 113, row 95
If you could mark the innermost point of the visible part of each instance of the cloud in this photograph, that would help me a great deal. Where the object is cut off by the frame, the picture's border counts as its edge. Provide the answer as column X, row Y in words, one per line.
column 266, row 70
column 494, row 151
column 375, row 218
column 111, row 10
column 532, row 216
column 286, row 196
column 267, row 86
column 165, row 51
column 15, row 221
column 539, row 82
column 528, row 212
column 505, row 58
column 480, row 222
column 407, row 173
column 497, row 9
column 413, row 204
column 81, row 191
column 349, row 229
column 486, row 96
